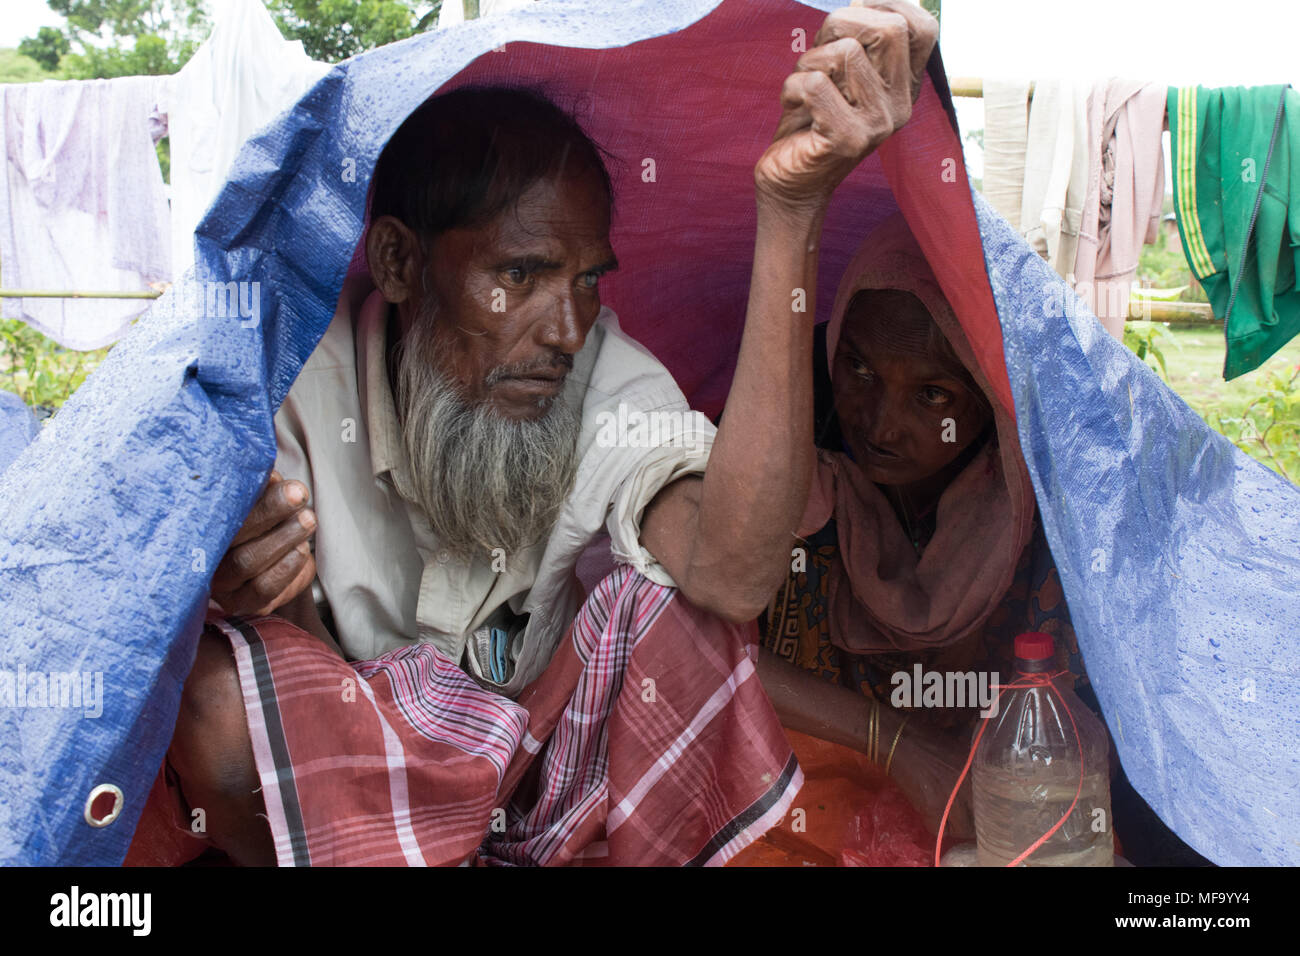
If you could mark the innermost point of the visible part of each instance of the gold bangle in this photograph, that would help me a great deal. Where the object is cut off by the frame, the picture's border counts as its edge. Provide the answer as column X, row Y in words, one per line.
column 894, row 746
column 873, row 733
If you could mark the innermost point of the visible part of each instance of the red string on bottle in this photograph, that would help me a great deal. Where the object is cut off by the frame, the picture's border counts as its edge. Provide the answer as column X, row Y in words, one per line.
column 1025, row 680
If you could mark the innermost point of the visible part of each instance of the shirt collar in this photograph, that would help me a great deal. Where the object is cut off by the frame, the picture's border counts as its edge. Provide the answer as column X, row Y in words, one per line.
column 387, row 453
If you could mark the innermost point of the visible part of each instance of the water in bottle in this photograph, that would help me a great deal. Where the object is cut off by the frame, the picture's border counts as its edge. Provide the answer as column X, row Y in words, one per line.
column 1027, row 771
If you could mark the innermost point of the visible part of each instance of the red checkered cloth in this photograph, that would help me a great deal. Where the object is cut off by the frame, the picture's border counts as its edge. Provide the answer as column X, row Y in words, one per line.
column 647, row 741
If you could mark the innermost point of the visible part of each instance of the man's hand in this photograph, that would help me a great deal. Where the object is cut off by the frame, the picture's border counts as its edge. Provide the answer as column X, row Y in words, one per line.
column 269, row 562
column 848, row 94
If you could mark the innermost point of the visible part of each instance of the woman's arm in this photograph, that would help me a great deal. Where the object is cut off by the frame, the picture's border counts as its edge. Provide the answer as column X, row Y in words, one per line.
column 924, row 766
column 810, row 705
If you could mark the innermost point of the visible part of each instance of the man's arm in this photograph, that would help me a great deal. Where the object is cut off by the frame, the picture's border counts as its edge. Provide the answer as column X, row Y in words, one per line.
column 725, row 538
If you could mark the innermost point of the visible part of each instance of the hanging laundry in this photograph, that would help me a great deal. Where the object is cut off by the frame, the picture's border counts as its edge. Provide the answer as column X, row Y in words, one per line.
column 82, row 203
column 1234, row 181
column 1006, row 120
column 1125, row 197
column 1056, row 172
column 244, row 76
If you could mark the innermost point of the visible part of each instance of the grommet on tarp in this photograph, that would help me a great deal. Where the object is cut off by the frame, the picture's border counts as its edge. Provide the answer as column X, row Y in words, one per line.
column 104, row 805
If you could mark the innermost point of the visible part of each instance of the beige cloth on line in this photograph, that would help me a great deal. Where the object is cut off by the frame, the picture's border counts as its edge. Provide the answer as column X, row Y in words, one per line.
column 1006, row 120
column 1056, row 172
column 883, row 596
column 1126, row 192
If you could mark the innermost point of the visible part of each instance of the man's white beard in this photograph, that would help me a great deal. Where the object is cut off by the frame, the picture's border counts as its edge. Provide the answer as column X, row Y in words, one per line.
column 484, row 481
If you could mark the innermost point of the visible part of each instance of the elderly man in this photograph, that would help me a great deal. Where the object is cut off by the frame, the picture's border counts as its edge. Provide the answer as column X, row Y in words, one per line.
column 450, row 435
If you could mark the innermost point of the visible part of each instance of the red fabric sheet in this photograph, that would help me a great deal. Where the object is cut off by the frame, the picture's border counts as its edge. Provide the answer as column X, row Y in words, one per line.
column 683, row 175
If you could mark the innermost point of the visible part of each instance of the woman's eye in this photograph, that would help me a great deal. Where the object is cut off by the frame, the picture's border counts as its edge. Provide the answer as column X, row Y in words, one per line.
column 935, row 396
column 860, row 370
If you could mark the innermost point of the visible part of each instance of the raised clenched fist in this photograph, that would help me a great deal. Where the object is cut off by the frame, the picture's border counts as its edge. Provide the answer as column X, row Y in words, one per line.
column 848, row 94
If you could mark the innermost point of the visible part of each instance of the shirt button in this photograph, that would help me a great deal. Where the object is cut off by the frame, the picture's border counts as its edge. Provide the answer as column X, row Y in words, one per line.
column 444, row 557
column 104, row 805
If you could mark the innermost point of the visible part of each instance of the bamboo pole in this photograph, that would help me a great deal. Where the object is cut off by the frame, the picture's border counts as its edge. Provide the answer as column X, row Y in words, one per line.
column 973, row 87
column 51, row 294
column 1171, row 311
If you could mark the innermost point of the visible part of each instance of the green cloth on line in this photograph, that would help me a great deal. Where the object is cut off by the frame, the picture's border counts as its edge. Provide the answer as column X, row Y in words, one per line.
column 1233, row 197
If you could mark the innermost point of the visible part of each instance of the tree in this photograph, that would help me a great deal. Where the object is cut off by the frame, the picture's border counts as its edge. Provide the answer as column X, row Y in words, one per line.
column 17, row 68
column 108, row 38
column 46, row 48
column 333, row 30
column 149, row 56
column 112, row 19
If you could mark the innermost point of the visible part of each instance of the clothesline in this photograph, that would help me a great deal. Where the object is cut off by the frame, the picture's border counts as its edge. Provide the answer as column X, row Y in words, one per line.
column 972, row 87
column 42, row 294
column 89, row 232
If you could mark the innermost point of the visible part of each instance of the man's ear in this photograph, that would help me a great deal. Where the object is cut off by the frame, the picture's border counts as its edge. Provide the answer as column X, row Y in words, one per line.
column 395, row 259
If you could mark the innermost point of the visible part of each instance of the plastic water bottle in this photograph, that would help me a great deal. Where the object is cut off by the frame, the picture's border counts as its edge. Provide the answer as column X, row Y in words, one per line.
column 1027, row 770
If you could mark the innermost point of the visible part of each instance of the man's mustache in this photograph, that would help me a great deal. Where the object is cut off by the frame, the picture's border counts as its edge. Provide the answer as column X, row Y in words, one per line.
column 559, row 363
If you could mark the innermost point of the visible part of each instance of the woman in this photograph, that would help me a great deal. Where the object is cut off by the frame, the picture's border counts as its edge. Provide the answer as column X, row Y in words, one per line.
column 921, row 543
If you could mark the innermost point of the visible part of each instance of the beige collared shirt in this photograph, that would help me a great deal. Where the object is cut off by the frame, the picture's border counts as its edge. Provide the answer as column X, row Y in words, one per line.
column 380, row 567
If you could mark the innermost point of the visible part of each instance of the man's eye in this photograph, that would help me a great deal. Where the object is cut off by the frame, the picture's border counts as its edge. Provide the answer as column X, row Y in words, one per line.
column 932, row 395
column 590, row 280
column 860, row 370
column 518, row 275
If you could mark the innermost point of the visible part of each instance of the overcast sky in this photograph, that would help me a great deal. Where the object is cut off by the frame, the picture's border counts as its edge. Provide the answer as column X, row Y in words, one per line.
column 22, row 18
column 1173, row 42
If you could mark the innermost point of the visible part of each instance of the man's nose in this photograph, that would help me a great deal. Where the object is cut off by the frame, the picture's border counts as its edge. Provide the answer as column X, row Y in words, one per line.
column 564, row 328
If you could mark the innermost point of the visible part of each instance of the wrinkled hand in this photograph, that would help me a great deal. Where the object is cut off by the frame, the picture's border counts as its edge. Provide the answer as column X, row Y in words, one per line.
column 926, row 769
column 269, row 562
column 848, row 94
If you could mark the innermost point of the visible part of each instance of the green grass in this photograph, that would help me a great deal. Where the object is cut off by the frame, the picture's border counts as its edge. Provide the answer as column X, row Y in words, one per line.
column 1258, row 411
column 1195, row 360
column 40, row 371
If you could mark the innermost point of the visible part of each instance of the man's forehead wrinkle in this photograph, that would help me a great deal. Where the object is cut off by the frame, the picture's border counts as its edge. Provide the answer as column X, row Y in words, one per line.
column 549, row 220
column 519, row 239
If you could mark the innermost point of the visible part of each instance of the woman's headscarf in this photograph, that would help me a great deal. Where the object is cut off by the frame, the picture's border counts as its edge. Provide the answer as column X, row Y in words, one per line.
column 883, row 596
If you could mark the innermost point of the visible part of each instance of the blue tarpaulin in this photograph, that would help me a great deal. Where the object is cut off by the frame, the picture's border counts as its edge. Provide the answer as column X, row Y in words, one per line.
column 18, row 426
column 1180, row 556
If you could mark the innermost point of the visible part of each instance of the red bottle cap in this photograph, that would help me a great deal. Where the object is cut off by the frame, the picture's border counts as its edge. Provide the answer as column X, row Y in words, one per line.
column 1035, row 646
